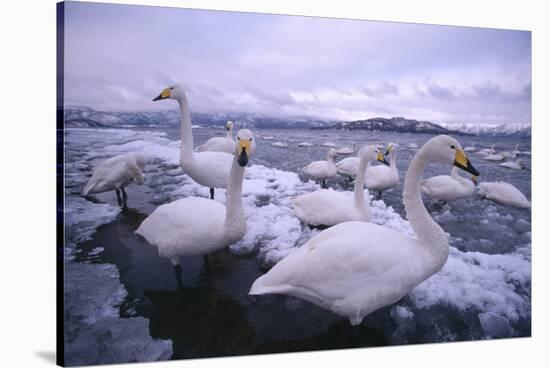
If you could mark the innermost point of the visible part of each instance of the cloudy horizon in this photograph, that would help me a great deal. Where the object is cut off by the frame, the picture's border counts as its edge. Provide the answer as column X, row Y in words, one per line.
column 118, row 57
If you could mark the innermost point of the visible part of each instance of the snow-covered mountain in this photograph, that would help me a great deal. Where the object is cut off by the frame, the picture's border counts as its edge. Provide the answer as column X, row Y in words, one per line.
column 85, row 117
column 491, row 129
column 395, row 124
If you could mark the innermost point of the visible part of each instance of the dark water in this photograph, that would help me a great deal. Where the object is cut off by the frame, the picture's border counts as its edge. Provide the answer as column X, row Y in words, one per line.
column 213, row 315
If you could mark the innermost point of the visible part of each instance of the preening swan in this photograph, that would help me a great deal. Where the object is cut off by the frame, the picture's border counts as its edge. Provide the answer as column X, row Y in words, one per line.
column 210, row 169
column 116, row 173
column 449, row 187
column 503, row 193
column 322, row 170
column 328, row 207
column 197, row 226
column 381, row 177
column 220, row 144
column 516, row 165
column 355, row 268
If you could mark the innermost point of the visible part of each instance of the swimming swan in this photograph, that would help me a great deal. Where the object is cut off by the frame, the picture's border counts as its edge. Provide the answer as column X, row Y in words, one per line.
column 328, row 207
column 116, row 173
column 210, row 169
column 379, row 178
column 503, row 193
column 471, row 148
column 197, row 226
column 355, row 268
column 322, row 170
column 449, row 187
column 220, row 144
column 516, row 165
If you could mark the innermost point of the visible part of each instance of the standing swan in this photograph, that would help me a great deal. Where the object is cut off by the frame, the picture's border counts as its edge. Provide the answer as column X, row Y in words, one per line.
column 116, row 173
column 196, row 226
column 210, row 169
column 322, row 170
column 355, row 268
column 220, row 144
column 380, row 178
column 328, row 207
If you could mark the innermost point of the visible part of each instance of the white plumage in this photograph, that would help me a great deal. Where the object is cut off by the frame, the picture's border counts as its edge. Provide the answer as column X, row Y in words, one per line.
column 116, row 173
column 348, row 167
column 210, row 169
column 198, row 226
column 328, row 207
column 503, row 193
column 322, row 170
column 448, row 187
column 515, row 165
column 220, row 144
column 355, row 268
column 381, row 177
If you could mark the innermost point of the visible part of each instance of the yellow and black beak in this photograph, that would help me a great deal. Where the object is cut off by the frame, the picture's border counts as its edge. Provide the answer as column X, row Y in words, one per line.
column 388, row 149
column 163, row 95
column 243, row 152
column 462, row 162
column 380, row 157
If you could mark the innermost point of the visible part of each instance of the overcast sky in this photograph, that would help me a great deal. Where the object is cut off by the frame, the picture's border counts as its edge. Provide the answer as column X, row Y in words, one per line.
column 119, row 57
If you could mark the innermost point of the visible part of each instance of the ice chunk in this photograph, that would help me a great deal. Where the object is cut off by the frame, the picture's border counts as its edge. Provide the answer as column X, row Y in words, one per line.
column 494, row 325
column 94, row 331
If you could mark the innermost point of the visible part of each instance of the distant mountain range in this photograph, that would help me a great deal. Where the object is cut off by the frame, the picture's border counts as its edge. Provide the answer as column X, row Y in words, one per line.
column 85, row 117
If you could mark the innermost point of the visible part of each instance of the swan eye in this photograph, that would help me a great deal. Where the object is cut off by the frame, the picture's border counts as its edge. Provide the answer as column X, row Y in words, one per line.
column 453, row 147
column 171, row 88
column 251, row 139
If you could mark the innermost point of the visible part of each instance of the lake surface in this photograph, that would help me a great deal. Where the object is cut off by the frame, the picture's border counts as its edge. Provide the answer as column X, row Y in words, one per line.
column 484, row 290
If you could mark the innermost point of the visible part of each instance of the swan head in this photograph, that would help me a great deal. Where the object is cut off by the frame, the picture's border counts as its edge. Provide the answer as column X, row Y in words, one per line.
column 332, row 153
column 445, row 149
column 390, row 148
column 371, row 153
column 229, row 125
column 245, row 146
column 141, row 159
column 173, row 92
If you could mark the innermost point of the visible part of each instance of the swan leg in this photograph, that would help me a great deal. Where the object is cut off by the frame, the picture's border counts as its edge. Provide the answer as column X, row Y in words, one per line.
column 124, row 197
column 211, row 193
column 324, row 184
column 119, row 200
column 177, row 272
column 379, row 194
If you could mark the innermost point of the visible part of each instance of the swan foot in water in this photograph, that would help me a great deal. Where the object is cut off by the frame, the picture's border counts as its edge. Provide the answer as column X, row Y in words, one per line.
column 124, row 197
column 211, row 193
column 118, row 198
column 177, row 271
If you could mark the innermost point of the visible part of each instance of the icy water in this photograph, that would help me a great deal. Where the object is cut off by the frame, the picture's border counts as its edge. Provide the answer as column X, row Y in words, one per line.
column 482, row 292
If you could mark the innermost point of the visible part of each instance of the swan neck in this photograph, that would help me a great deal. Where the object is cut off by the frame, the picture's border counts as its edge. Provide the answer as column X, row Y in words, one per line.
column 229, row 134
column 359, row 186
column 234, row 213
column 430, row 235
column 186, row 130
